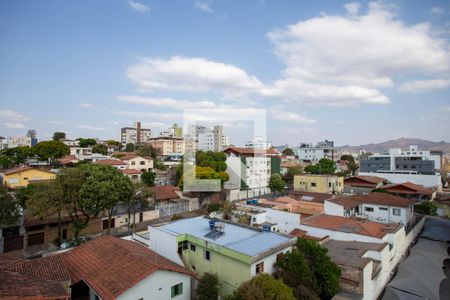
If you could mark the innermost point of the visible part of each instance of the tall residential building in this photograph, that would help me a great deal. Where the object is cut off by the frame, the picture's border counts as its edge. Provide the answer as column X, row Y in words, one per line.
column 213, row 139
column 398, row 166
column 312, row 154
column 258, row 143
column 135, row 135
column 17, row 141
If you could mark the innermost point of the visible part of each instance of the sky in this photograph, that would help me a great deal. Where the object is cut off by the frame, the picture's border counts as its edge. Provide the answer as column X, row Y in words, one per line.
column 352, row 72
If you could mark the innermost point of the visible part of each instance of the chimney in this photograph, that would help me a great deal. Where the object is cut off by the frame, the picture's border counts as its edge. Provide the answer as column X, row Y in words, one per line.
column 138, row 133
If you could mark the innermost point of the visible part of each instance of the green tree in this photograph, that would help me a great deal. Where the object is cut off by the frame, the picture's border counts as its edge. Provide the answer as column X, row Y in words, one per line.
column 9, row 208
column 291, row 172
column 324, row 166
column 294, row 270
column 148, row 150
column 288, row 151
column 18, row 154
column 129, row 147
column 208, row 287
column 204, row 173
column 352, row 167
column 347, row 157
column 276, row 183
column 214, row 160
column 100, row 148
column 104, row 188
column 6, row 162
column 426, row 207
column 113, row 142
column 86, row 142
column 47, row 201
column 51, row 150
column 58, row 135
column 325, row 273
column 22, row 194
column 263, row 287
column 148, row 178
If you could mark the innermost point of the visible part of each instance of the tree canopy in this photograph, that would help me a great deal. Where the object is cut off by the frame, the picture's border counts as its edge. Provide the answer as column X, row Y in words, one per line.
column 51, row 150
column 263, row 287
column 208, row 287
column 58, row 135
column 86, row 142
column 276, row 183
column 17, row 155
column 309, row 266
column 9, row 208
column 324, row 166
column 129, row 147
column 288, row 151
column 100, row 148
column 148, row 178
column 291, row 172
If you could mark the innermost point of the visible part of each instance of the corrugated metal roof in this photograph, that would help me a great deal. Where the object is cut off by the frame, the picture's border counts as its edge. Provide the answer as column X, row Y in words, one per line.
column 238, row 238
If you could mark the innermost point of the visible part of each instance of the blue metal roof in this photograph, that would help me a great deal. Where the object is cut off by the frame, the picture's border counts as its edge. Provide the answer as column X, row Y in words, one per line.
column 238, row 238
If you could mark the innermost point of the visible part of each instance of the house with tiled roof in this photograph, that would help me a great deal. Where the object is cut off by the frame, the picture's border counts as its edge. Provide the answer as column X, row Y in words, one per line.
column 362, row 184
column 20, row 176
column 377, row 207
column 410, row 190
column 116, row 163
column 138, row 162
column 113, row 268
column 40, row 278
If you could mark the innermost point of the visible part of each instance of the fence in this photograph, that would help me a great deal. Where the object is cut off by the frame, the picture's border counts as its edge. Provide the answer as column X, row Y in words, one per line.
column 172, row 208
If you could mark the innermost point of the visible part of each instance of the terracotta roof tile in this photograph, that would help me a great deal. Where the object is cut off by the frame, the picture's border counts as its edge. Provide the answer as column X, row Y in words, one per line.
column 22, row 169
column 131, row 171
column 364, row 181
column 112, row 265
column 350, row 225
column 251, row 151
column 310, row 196
column 166, row 192
column 372, row 198
column 111, row 162
column 413, row 188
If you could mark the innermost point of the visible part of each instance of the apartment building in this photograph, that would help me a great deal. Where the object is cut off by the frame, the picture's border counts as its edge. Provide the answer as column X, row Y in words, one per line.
column 398, row 166
column 330, row 184
column 312, row 154
column 250, row 168
column 167, row 146
column 17, row 141
column 213, row 139
column 135, row 135
column 234, row 252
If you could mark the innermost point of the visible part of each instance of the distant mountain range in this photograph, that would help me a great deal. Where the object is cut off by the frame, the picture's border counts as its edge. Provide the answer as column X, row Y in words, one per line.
column 402, row 143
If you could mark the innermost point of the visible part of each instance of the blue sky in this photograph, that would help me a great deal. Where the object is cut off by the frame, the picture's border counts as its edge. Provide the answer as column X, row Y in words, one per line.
column 353, row 72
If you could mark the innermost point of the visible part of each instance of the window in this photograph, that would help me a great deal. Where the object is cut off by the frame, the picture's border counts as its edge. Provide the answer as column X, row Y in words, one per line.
column 176, row 290
column 383, row 208
column 192, row 247
column 396, row 211
column 329, row 184
column 313, row 184
column 142, row 162
column 207, row 255
column 368, row 208
column 260, row 268
column 133, row 163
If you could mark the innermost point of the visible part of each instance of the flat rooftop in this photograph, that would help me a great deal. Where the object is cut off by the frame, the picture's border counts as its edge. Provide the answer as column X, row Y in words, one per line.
column 238, row 238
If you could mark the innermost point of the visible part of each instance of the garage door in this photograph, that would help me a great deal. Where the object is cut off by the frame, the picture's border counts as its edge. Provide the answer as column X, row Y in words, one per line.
column 35, row 239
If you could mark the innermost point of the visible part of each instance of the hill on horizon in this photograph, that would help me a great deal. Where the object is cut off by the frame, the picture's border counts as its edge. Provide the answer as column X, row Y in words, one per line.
column 402, row 143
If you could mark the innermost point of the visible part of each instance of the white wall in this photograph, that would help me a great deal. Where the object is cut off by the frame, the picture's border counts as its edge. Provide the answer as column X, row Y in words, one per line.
column 286, row 221
column 269, row 262
column 164, row 244
column 158, row 286
column 338, row 235
column 333, row 209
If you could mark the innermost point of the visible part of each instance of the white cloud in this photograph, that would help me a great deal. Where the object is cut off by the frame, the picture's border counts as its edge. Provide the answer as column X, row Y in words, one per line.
column 345, row 60
column 54, row 122
column 446, row 108
column 352, row 7
column 112, row 122
column 165, row 102
column 280, row 114
column 421, row 86
column 86, row 105
column 203, row 6
column 189, row 74
column 438, row 11
column 13, row 125
column 154, row 124
column 150, row 115
column 89, row 127
column 139, row 7
column 8, row 114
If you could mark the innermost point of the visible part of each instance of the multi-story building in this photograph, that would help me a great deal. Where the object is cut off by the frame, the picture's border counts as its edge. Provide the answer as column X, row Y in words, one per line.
column 213, row 140
column 167, row 146
column 319, row 183
column 234, row 252
column 398, row 166
column 135, row 135
column 312, row 154
column 81, row 153
column 258, row 143
column 250, row 168
column 137, row 162
column 17, row 141
column 377, row 207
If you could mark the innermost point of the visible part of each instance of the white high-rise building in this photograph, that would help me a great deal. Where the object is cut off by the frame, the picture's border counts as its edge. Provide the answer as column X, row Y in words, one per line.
column 135, row 135
column 258, row 143
column 213, row 139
